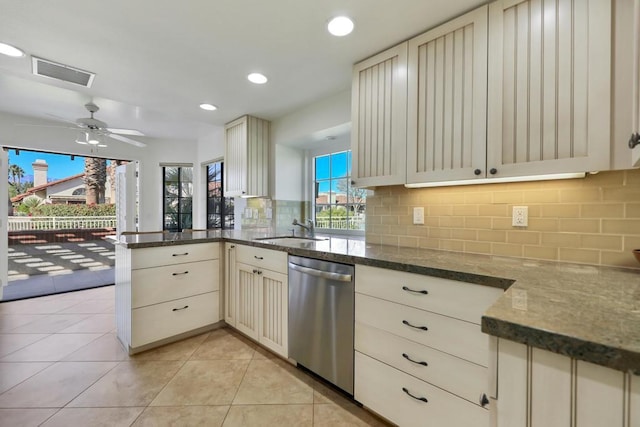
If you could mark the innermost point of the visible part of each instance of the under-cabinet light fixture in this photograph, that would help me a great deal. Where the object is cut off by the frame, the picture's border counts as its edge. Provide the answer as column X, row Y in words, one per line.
column 548, row 177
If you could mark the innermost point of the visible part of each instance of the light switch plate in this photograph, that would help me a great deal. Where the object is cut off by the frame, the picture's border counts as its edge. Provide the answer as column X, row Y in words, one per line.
column 520, row 217
column 418, row 215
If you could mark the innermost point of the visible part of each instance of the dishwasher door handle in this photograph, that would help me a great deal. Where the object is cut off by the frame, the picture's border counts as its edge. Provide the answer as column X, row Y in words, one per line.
column 319, row 273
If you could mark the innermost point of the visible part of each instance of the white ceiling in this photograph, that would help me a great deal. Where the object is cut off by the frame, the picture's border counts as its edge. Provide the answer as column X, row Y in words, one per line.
column 157, row 60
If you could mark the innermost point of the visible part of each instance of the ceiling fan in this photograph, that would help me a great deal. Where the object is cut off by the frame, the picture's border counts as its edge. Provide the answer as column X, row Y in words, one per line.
column 92, row 130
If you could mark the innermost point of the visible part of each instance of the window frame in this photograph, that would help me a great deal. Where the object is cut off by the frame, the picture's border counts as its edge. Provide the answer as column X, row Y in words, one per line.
column 224, row 213
column 312, row 154
column 179, row 212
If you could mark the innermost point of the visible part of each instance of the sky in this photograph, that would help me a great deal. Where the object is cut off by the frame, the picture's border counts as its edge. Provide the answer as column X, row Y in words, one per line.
column 60, row 165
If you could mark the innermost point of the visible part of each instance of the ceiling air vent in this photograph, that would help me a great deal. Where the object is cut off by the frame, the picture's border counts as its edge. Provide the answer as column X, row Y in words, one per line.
column 53, row 70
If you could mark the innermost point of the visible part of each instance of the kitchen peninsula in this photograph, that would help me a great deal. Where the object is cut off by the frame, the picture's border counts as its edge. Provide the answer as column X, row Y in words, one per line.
column 581, row 317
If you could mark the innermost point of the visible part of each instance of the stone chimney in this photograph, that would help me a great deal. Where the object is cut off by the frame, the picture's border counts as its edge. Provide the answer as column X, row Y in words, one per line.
column 40, row 168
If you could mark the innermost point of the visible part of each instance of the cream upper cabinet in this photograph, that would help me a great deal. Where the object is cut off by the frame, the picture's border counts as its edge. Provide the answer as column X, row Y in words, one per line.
column 446, row 132
column 549, row 95
column 378, row 117
column 246, row 158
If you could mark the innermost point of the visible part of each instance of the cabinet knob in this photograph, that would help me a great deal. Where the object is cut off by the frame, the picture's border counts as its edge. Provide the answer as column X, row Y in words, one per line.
column 484, row 400
column 634, row 140
column 255, row 271
column 477, row 171
column 244, row 192
column 259, row 272
column 493, row 171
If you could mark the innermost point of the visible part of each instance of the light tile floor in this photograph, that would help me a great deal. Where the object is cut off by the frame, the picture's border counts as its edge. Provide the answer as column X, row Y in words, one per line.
column 62, row 365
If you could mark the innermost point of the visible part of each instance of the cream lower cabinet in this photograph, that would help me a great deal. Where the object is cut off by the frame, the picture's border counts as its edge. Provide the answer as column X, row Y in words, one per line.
column 538, row 388
column 230, row 305
column 165, row 292
column 261, row 295
column 421, row 359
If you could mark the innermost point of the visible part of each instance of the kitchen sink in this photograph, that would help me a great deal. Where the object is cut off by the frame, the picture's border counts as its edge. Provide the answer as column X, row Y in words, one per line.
column 289, row 239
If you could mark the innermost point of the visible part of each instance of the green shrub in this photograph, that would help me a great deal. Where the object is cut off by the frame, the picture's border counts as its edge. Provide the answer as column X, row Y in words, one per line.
column 75, row 210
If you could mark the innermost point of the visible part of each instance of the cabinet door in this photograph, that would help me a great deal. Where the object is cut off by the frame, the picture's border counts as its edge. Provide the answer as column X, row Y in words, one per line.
column 273, row 311
column 235, row 158
column 634, row 400
column 447, row 112
column 635, row 156
column 230, row 291
column 549, row 87
column 247, row 320
column 378, row 117
column 246, row 157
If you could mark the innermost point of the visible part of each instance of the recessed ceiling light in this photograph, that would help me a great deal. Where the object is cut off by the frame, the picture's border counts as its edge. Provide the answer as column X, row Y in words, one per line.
column 208, row 107
column 7, row 49
column 102, row 145
column 340, row 26
column 257, row 78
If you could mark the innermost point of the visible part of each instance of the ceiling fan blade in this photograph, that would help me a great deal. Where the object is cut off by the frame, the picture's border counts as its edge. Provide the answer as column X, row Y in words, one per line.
column 44, row 126
column 62, row 119
column 131, row 132
column 127, row 140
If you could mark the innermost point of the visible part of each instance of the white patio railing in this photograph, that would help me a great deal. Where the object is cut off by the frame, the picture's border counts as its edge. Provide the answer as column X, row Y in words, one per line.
column 341, row 224
column 26, row 223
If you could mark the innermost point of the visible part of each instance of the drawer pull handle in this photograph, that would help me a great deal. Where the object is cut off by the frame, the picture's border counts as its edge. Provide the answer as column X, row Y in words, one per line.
column 183, row 308
column 406, row 356
column 423, row 292
column 422, row 399
column 180, row 274
column 186, row 253
column 423, row 328
column 258, row 257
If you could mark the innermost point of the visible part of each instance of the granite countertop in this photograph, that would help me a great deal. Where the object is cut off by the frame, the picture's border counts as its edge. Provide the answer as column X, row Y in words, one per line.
column 586, row 312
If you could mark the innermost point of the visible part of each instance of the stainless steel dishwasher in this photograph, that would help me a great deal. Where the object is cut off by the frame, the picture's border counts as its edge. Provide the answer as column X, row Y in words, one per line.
column 321, row 305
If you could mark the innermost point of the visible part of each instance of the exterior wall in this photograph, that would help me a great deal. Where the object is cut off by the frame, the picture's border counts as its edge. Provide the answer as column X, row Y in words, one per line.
column 595, row 220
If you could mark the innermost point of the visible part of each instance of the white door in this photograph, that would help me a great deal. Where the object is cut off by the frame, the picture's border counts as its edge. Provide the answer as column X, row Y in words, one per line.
column 4, row 212
column 126, row 186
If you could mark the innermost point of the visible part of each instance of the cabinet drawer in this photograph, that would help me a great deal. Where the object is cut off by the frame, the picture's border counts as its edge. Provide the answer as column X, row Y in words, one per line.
column 453, row 336
column 461, row 300
column 264, row 258
column 160, row 284
column 451, row 373
column 165, row 255
column 156, row 322
column 380, row 388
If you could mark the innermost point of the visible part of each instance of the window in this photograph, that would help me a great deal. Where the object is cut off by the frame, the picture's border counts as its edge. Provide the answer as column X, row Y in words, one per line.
column 219, row 208
column 177, row 183
column 338, row 205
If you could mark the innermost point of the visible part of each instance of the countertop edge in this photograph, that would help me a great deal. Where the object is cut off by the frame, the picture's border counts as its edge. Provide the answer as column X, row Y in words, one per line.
column 576, row 348
column 607, row 355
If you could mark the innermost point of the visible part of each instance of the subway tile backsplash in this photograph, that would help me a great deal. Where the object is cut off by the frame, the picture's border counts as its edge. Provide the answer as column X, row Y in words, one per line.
column 595, row 220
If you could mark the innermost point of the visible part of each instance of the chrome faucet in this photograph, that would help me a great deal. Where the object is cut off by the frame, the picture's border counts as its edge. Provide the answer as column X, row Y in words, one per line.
column 309, row 227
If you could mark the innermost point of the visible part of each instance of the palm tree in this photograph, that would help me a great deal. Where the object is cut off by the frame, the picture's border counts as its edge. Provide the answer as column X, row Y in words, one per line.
column 16, row 172
column 95, row 177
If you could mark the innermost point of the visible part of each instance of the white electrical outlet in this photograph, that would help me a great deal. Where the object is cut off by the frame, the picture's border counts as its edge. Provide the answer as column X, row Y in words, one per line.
column 520, row 217
column 418, row 215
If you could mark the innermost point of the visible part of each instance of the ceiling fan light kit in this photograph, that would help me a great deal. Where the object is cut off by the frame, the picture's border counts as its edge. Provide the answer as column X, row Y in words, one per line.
column 93, row 131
